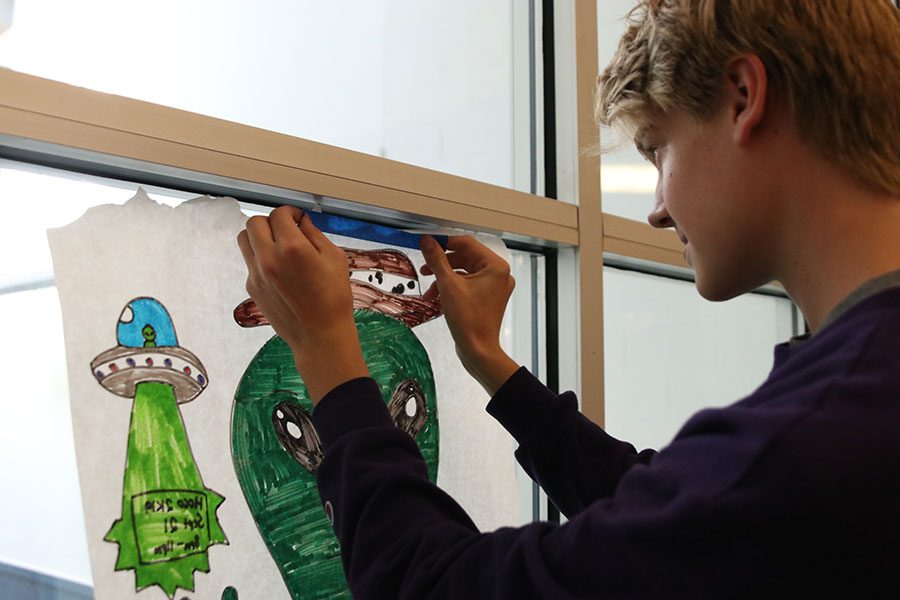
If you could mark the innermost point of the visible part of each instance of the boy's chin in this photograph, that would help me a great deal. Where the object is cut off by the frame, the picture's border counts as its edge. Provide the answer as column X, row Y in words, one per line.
column 721, row 288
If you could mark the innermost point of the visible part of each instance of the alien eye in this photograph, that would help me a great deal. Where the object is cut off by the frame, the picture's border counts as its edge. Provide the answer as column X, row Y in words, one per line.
column 297, row 435
column 407, row 407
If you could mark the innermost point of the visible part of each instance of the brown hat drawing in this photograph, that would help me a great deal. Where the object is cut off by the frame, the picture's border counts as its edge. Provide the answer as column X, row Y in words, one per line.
column 381, row 280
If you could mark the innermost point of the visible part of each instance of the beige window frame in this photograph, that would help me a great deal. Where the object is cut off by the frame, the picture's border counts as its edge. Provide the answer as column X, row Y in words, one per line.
column 61, row 125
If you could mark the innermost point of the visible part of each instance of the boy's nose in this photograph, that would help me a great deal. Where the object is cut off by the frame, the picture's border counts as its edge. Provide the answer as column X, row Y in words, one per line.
column 659, row 216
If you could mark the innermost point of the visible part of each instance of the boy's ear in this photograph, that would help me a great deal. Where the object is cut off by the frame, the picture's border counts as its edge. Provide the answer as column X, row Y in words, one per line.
column 746, row 85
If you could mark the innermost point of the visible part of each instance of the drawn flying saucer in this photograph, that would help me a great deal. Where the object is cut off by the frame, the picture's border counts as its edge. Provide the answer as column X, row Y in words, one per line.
column 148, row 351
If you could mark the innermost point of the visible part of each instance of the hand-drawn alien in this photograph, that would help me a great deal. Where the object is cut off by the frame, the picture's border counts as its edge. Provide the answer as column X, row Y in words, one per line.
column 275, row 446
column 168, row 517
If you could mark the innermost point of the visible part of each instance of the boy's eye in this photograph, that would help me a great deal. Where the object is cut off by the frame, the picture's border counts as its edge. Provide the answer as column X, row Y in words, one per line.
column 644, row 141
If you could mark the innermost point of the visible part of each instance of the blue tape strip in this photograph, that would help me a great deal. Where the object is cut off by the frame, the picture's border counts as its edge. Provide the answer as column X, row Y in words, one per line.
column 368, row 231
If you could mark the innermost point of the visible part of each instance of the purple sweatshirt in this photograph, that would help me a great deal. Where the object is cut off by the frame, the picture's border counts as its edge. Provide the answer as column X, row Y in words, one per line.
column 795, row 488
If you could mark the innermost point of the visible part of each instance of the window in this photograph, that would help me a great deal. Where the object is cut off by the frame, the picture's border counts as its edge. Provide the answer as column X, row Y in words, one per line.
column 670, row 353
column 45, row 531
column 440, row 85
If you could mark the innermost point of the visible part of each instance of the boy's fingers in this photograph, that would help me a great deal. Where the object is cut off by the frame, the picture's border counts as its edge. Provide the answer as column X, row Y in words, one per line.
column 466, row 243
column 431, row 293
column 464, row 261
column 455, row 260
column 259, row 234
column 313, row 234
column 435, row 257
column 283, row 221
column 244, row 244
column 470, row 254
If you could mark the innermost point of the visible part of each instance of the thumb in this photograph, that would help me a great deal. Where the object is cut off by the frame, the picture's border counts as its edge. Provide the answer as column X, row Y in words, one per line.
column 435, row 257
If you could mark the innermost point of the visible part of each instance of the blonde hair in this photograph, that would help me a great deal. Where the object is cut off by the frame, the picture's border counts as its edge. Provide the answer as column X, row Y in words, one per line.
column 835, row 63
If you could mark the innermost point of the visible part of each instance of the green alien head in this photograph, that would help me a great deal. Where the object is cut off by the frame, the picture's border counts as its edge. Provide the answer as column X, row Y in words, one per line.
column 277, row 450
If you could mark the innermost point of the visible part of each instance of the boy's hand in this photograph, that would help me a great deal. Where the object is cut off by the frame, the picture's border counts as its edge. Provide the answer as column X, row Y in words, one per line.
column 473, row 302
column 300, row 281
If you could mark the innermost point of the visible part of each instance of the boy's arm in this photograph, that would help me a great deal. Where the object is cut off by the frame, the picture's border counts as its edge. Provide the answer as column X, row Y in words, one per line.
column 669, row 531
column 574, row 461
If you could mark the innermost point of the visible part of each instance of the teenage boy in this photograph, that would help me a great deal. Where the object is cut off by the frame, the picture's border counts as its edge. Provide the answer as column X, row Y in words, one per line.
column 775, row 128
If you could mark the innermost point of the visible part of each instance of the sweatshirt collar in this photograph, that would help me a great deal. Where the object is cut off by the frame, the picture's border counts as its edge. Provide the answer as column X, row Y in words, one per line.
column 870, row 288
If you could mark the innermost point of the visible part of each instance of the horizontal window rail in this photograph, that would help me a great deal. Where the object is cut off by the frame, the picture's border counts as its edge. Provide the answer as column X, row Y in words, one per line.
column 61, row 125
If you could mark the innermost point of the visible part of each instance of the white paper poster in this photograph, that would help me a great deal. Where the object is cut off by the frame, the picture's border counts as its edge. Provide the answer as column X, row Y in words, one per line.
column 195, row 452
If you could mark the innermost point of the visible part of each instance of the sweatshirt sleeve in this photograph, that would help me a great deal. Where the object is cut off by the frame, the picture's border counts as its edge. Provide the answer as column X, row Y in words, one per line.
column 574, row 461
column 669, row 530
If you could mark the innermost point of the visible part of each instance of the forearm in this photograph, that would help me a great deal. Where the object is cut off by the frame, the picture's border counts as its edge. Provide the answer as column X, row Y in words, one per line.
column 374, row 482
column 330, row 360
column 491, row 368
column 575, row 461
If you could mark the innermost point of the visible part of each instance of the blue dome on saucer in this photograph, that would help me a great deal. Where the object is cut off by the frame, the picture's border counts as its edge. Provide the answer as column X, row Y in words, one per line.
column 144, row 323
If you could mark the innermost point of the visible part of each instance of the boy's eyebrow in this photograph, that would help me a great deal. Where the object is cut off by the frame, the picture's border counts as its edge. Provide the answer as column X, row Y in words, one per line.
column 641, row 135
column 641, row 142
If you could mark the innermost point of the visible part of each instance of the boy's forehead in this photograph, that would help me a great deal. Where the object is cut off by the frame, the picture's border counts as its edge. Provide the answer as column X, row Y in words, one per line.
column 661, row 124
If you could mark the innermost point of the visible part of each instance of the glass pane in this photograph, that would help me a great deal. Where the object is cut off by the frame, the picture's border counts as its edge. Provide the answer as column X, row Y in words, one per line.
column 41, row 502
column 45, row 532
column 34, row 200
column 627, row 180
column 523, row 336
column 669, row 353
column 429, row 83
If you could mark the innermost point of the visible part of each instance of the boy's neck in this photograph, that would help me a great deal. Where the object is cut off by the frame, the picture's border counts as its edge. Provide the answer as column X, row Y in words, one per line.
column 839, row 235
